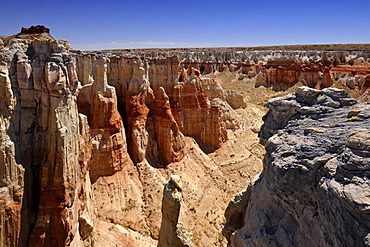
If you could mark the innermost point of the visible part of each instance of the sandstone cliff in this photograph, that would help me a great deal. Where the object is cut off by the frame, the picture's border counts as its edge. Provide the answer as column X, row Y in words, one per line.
column 314, row 189
column 89, row 139
column 278, row 67
column 11, row 173
column 83, row 136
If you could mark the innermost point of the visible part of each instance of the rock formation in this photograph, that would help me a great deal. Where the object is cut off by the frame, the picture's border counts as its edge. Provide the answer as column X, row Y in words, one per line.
column 168, row 136
column 11, row 173
column 137, row 82
column 198, row 117
column 35, row 29
column 88, row 139
column 72, row 128
column 171, row 233
column 98, row 102
column 314, row 189
column 42, row 110
column 314, row 66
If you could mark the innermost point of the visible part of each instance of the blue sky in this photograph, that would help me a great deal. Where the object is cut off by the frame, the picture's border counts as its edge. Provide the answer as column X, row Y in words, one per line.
column 128, row 24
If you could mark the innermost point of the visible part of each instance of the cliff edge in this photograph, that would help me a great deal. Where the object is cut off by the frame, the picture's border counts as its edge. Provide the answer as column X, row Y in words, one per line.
column 314, row 189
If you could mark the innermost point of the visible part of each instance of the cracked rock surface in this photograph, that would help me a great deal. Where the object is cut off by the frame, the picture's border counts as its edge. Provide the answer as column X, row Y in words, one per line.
column 314, row 189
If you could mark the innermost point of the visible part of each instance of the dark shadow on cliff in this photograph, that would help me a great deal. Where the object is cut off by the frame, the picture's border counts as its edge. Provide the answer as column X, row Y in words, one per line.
column 25, row 155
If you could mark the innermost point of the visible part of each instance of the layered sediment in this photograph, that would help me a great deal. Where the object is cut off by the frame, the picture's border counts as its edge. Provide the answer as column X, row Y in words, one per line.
column 278, row 67
column 90, row 139
column 82, row 134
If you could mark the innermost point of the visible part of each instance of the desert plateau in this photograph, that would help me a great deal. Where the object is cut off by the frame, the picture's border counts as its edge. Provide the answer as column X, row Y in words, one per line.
column 171, row 147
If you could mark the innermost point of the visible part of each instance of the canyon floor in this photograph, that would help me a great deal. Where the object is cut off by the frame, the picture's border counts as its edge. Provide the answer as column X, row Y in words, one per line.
column 238, row 160
column 149, row 147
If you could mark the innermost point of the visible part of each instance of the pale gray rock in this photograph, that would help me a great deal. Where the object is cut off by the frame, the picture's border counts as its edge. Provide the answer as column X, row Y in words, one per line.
column 315, row 188
column 235, row 99
column 172, row 233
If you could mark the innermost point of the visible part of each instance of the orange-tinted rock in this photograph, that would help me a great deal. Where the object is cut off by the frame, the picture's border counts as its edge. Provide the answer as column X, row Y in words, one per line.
column 196, row 116
column 98, row 101
column 366, row 85
column 213, row 88
column 326, row 80
column 11, row 173
column 137, row 113
column 169, row 138
column 309, row 73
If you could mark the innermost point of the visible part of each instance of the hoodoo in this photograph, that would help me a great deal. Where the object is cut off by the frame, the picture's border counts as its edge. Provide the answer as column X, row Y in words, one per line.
column 90, row 140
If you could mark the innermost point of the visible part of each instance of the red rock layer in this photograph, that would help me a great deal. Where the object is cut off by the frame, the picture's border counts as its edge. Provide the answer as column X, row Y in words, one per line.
column 98, row 101
column 135, row 80
column 310, row 73
column 168, row 136
column 282, row 73
column 137, row 113
column 193, row 110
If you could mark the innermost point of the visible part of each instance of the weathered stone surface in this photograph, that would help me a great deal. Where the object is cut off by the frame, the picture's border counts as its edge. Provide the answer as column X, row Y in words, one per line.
column 35, row 29
column 163, row 72
column 59, row 169
column 11, row 173
column 315, row 173
column 98, row 102
column 172, row 232
column 70, row 118
column 213, row 88
column 137, row 96
column 235, row 99
column 278, row 69
column 42, row 130
column 196, row 116
column 136, row 80
column 40, row 135
column 170, row 140
column 235, row 212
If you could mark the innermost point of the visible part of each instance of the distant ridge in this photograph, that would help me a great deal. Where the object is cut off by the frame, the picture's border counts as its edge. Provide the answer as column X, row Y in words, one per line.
column 307, row 47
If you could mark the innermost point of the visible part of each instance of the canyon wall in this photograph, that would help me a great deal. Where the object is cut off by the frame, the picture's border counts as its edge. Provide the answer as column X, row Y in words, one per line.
column 314, row 189
column 11, row 173
column 80, row 136
column 90, row 139
column 160, row 102
column 278, row 69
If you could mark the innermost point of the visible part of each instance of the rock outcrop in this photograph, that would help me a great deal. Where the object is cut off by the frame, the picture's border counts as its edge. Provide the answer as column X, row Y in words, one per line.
column 98, row 101
column 198, row 118
column 35, row 29
column 41, row 112
column 81, row 135
column 88, row 139
column 11, row 173
column 172, row 232
column 314, row 66
column 314, row 189
column 170, row 140
column 56, row 149
column 187, row 111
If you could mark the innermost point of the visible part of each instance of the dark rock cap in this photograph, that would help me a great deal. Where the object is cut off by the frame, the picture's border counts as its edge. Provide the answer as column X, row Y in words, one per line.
column 35, row 29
